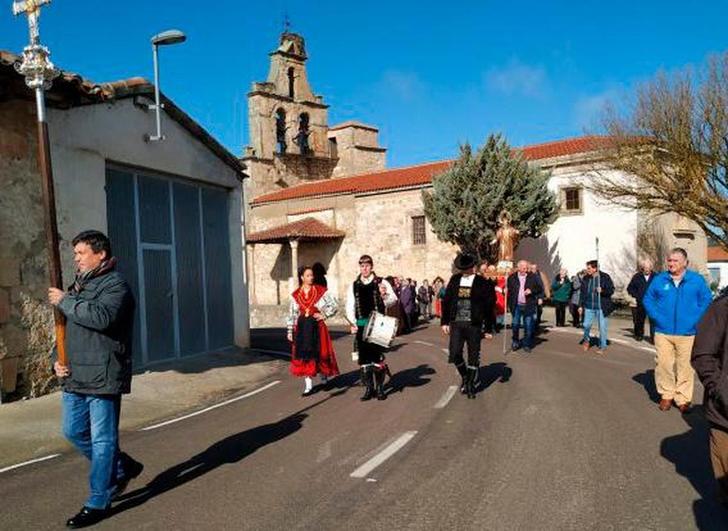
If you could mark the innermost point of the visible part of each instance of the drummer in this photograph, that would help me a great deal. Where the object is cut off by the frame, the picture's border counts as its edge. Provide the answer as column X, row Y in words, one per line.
column 464, row 310
column 367, row 294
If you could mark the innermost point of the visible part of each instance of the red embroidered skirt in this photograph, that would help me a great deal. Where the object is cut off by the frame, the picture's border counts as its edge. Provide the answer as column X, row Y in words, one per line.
column 326, row 364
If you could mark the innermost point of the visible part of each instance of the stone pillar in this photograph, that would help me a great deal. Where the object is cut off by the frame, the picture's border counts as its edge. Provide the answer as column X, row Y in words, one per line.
column 251, row 273
column 294, row 265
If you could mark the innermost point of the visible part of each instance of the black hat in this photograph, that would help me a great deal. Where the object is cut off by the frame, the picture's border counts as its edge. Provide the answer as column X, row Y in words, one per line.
column 464, row 261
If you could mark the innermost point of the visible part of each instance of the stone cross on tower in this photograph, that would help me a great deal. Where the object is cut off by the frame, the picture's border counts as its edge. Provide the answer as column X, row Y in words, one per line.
column 32, row 9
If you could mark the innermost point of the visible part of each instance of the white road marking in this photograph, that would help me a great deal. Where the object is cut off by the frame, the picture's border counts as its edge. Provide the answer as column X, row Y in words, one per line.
column 424, row 343
column 625, row 342
column 25, row 463
column 200, row 412
column 445, row 399
column 382, row 456
column 324, row 452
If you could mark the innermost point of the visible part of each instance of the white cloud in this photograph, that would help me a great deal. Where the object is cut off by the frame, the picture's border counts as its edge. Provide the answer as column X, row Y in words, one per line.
column 589, row 109
column 406, row 86
column 517, row 78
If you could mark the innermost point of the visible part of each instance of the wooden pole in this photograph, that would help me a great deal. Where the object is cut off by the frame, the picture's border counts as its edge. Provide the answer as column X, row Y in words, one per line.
column 50, row 220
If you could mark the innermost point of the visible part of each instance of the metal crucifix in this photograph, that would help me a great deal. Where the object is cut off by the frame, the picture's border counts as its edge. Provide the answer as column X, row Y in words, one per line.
column 39, row 74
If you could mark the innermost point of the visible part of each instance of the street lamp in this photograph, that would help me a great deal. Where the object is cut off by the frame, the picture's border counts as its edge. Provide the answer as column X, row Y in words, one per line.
column 166, row 38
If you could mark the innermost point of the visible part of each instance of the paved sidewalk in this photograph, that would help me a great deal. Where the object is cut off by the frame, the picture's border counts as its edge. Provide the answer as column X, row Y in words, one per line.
column 30, row 429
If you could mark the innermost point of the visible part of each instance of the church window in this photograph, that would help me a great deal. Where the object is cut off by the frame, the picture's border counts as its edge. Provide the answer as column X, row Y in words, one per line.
column 281, row 131
column 291, row 80
column 419, row 234
column 333, row 148
column 571, row 200
column 303, row 134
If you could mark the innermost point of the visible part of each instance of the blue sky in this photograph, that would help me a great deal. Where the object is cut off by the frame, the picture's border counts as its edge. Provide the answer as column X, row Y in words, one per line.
column 429, row 74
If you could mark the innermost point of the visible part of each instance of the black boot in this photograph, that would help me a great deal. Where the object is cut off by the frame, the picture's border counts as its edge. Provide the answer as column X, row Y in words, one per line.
column 471, row 381
column 368, row 379
column 463, row 378
column 379, row 376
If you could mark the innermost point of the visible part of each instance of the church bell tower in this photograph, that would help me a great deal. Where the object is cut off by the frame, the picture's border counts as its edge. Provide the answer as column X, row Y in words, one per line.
column 288, row 124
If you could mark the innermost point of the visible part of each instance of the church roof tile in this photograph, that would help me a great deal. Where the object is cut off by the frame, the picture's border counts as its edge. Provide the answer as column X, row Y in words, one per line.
column 419, row 175
column 303, row 229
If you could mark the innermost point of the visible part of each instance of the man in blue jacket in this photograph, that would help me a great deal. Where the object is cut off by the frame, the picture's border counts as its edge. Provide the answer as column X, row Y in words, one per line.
column 675, row 301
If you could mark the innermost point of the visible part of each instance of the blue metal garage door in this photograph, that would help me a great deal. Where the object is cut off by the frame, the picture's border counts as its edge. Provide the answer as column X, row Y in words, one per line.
column 172, row 241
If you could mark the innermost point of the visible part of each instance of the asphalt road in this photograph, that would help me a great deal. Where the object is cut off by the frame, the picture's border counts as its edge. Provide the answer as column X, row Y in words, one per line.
column 554, row 440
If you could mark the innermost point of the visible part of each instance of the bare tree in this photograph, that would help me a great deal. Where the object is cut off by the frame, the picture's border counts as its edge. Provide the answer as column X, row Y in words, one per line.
column 674, row 139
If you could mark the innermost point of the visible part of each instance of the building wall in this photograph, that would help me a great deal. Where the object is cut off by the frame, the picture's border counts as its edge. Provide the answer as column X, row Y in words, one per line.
column 23, row 262
column 83, row 139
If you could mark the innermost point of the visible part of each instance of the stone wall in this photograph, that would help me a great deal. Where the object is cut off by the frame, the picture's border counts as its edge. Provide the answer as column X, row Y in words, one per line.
column 23, row 258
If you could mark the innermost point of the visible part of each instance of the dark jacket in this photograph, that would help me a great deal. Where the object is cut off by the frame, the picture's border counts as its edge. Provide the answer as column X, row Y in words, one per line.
column 407, row 298
column 481, row 300
column 638, row 286
column 676, row 310
column 710, row 361
column 588, row 293
column 561, row 291
column 533, row 282
column 99, row 328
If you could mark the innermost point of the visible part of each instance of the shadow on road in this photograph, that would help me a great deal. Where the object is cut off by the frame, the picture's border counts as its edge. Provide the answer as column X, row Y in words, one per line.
column 690, row 453
column 412, row 377
column 230, row 450
column 493, row 372
column 647, row 380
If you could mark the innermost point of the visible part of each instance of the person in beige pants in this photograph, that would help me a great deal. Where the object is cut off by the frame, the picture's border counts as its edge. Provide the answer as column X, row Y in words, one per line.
column 675, row 301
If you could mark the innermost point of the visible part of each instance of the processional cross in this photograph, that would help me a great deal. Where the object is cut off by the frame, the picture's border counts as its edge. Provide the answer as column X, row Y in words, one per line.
column 39, row 74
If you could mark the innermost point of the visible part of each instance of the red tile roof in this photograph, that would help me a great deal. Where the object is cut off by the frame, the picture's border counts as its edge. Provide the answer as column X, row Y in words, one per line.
column 420, row 175
column 716, row 253
column 303, row 229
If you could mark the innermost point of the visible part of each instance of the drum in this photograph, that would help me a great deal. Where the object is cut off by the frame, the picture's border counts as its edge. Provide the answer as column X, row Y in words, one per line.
column 381, row 330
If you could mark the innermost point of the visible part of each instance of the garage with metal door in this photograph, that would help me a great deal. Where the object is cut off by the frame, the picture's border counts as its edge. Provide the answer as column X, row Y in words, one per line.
column 171, row 238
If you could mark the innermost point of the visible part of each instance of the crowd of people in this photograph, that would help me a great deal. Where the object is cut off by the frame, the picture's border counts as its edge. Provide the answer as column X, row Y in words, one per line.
column 687, row 327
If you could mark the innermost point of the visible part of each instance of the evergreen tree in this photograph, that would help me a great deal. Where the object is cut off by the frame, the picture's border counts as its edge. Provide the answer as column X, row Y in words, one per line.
column 466, row 200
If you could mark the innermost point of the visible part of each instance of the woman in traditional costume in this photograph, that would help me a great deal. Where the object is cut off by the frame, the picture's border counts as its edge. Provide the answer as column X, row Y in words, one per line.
column 312, row 352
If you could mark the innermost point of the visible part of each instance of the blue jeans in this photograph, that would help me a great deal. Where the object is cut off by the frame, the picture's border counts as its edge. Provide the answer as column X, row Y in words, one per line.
column 91, row 424
column 589, row 317
column 528, row 322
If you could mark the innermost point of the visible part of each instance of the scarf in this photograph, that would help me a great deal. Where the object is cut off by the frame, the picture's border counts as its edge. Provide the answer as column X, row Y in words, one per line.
column 83, row 278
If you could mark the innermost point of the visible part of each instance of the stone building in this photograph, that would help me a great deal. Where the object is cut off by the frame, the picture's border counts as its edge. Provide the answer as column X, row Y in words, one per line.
column 355, row 205
column 173, row 210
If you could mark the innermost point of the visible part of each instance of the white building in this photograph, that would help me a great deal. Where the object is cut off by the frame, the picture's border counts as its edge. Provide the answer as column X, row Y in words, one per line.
column 718, row 266
column 172, row 208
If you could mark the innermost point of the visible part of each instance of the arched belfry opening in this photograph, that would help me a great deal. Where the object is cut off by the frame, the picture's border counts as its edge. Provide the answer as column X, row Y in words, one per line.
column 281, row 131
column 291, row 82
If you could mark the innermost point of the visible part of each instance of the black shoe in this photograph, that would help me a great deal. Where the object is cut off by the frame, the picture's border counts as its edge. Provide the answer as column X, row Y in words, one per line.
column 379, row 377
column 368, row 379
column 515, row 346
column 132, row 469
column 526, row 350
column 472, row 385
column 87, row 517
column 639, row 339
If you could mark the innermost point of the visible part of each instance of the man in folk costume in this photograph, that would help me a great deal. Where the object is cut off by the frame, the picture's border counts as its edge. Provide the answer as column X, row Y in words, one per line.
column 312, row 350
column 367, row 294
column 464, row 311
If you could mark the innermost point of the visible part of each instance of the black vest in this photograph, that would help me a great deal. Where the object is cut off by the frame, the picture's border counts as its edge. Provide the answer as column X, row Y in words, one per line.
column 367, row 297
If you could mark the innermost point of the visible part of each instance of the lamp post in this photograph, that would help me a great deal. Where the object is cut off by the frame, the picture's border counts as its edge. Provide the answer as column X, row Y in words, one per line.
column 39, row 74
column 165, row 38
